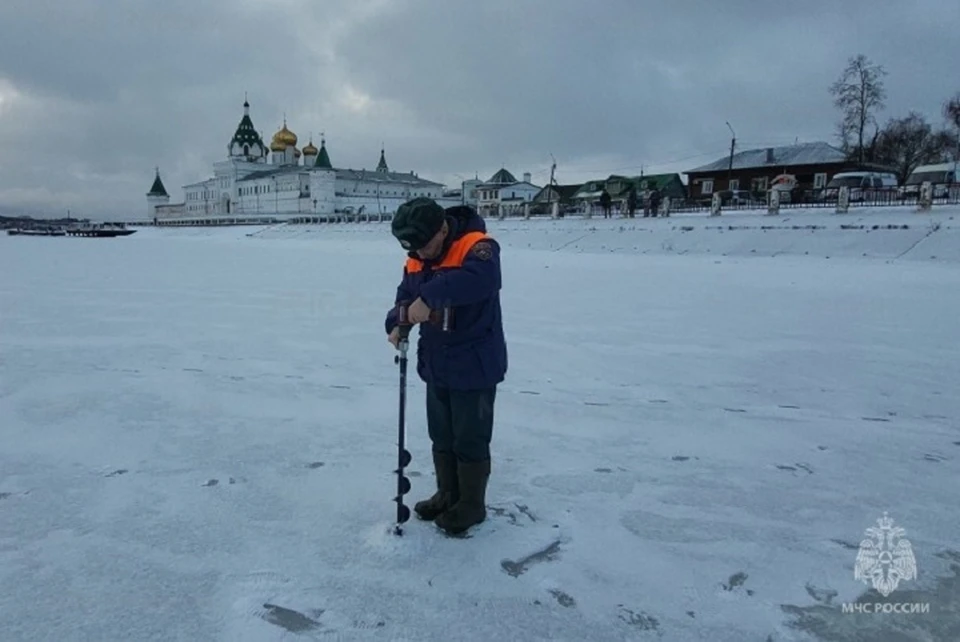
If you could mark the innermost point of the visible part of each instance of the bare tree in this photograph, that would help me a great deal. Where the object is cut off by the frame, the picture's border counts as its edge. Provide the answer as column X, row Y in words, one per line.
column 906, row 143
column 859, row 93
column 951, row 111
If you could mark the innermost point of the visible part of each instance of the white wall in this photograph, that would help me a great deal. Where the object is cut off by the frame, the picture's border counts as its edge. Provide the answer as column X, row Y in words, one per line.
column 354, row 188
column 277, row 194
column 321, row 183
column 526, row 191
column 469, row 191
column 169, row 211
column 153, row 202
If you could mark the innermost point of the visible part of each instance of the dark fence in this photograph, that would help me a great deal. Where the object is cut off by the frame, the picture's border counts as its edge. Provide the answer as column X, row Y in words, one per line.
column 824, row 198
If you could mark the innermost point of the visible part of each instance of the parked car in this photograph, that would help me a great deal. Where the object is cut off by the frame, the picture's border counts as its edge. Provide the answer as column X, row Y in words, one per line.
column 863, row 186
column 942, row 176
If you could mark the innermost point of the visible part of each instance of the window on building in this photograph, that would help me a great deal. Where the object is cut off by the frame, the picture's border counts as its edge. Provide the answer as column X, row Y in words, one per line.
column 706, row 187
column 760, row 184
column 819, row 181
column 734, row 183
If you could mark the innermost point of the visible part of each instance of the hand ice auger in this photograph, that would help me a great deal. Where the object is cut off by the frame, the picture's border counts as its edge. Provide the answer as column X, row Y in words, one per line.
column 403, row 455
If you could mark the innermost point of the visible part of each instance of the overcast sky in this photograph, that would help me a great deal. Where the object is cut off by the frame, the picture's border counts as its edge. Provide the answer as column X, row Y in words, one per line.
column 95, row 93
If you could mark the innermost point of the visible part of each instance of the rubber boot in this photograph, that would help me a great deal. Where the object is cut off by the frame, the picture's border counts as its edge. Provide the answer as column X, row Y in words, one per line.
column 472, row 508
column 445, row 466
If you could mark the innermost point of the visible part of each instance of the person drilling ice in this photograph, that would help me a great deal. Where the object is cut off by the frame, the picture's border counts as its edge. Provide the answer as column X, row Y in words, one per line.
column 451, row 290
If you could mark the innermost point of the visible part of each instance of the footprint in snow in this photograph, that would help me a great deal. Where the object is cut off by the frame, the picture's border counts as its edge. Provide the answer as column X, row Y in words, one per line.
column 521, row 566
column 845, row 544
column 641, row 620
column 824, row 596
column 794, row 468
column 512, row 516
column 293, row 621
column 736, row 581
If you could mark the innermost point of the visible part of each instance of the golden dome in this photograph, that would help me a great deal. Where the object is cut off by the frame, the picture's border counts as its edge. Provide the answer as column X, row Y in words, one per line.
column 285, row 136
column 310, row 150
column 277, row 145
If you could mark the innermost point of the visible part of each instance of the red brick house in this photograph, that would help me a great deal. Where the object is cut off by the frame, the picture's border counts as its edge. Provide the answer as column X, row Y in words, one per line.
column 812, row 164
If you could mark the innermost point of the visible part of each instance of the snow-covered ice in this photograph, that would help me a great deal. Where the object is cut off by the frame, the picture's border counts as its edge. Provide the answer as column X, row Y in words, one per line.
column 701, row 418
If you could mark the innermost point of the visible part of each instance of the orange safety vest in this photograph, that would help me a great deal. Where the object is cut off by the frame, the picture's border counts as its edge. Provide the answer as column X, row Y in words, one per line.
column 455, row 255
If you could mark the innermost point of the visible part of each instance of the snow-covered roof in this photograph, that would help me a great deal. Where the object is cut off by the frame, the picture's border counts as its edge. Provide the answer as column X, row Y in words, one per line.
column 517, row 184
column 344, row 175
column 791, row 155
column 265, row 173
column 502, row 177
column 383, row 177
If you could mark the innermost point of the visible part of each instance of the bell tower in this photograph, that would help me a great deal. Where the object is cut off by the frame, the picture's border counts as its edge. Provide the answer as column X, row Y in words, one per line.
column 156, row 196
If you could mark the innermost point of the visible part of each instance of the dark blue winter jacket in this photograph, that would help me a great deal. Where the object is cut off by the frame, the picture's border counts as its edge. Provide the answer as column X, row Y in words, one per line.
column 466, row 277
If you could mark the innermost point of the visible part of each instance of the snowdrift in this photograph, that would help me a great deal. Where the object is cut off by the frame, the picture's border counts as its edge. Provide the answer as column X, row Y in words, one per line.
column 878, row 233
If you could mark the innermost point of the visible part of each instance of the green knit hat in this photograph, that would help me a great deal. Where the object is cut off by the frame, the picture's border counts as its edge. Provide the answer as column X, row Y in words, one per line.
column 416, row 222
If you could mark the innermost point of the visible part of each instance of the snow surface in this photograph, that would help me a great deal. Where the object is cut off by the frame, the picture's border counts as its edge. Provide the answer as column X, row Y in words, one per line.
column 199, row 425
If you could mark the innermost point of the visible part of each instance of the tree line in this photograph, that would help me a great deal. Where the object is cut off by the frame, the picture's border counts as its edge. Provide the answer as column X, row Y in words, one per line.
column 902, row 143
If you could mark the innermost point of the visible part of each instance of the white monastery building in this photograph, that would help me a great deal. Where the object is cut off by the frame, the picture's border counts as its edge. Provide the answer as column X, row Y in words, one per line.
column 282, row 183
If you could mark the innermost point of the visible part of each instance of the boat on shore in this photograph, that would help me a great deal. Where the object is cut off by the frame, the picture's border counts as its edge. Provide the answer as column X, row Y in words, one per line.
column 93, row 230
column 37, row 232
column 100, row 230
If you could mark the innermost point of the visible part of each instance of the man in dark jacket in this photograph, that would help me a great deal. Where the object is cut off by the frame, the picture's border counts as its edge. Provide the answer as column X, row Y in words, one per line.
column 454, row 266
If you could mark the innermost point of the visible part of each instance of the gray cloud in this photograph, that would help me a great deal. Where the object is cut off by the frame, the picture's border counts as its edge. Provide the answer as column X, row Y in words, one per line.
column 94, row 94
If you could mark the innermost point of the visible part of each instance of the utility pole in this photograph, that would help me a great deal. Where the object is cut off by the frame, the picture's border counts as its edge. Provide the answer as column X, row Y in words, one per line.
column 553, row 168
column 733, row 144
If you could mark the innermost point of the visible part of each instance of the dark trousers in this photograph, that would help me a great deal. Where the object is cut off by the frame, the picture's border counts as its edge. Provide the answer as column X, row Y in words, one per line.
column 461, row 421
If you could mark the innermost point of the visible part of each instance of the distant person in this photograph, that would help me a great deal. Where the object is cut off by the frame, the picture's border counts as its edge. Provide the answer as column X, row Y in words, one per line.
column 453, row 263
column 655, row 201
column 605, row 200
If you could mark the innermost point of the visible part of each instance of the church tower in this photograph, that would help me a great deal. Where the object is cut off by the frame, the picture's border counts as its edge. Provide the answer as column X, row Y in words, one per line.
column 323, row 158
column 382, row 165
column 246, row 143
column 156, row 196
